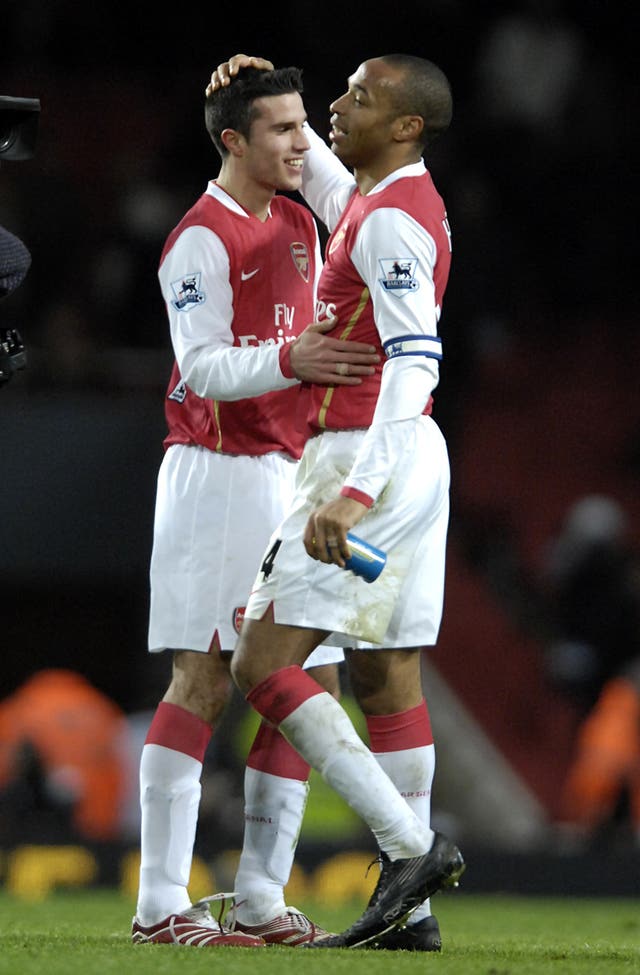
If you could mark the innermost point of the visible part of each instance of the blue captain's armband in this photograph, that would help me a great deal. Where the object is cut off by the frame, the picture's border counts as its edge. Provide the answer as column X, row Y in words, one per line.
column 426, row 345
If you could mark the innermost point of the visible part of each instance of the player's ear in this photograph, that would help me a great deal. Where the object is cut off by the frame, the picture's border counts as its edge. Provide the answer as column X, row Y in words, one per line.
column 407, row 128
column 233, row 142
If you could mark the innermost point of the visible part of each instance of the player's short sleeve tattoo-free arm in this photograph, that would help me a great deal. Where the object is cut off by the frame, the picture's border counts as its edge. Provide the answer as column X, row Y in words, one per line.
column 201, row 332
column 326, row 183
column 408, row 379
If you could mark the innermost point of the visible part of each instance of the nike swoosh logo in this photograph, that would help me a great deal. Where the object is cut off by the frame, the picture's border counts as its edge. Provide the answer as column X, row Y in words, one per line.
column 245, row 275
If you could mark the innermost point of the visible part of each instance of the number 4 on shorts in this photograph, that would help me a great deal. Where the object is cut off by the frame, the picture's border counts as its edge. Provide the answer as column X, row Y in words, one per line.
column 269, row 558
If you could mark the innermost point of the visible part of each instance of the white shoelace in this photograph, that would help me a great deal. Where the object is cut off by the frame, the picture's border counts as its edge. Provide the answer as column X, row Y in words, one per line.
column 201, row 912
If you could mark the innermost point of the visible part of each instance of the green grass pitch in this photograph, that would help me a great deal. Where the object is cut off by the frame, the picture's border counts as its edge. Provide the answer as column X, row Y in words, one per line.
column 483, row 935
column 78, row 933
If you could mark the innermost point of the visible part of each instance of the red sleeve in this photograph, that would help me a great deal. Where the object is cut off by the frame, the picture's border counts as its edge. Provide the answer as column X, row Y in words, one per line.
column 285, row 361
column 349, row 492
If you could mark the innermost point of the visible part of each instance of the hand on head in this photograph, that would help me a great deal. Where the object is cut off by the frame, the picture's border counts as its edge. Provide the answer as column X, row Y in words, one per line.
column 228, row 69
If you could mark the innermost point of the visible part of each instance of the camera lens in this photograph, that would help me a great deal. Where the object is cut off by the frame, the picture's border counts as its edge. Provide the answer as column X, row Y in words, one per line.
column 7, row 138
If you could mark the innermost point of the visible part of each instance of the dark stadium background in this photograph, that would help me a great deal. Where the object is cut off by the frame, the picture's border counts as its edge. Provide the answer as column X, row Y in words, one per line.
column 538, row 396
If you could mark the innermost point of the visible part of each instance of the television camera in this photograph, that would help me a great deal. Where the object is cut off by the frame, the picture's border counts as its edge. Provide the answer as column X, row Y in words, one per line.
column 18, row 135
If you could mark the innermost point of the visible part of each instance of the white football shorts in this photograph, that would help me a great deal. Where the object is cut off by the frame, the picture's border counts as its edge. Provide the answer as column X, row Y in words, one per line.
column 409, row 521
column 214, row 515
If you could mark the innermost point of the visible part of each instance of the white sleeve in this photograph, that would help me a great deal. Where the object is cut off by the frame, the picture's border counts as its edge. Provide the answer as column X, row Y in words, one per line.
column 407, row 321
column 200, row 329
column 326, row 183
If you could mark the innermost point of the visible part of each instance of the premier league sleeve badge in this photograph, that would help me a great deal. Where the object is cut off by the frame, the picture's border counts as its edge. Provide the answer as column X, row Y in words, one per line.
column 398, row 275
column 187, row 291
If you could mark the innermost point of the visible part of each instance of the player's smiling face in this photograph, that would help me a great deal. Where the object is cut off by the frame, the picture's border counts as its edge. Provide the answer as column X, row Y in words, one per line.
column 361, row 118
column 275, row 152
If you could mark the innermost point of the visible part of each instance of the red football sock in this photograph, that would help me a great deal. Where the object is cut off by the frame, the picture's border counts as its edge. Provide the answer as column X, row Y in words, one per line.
column 279, row 694
column 396, row 732
column 175, row 727
column 272, row 753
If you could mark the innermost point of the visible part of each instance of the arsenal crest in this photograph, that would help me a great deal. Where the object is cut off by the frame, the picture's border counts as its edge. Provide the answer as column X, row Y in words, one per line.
column 338, row 236
column 300, row 256
column 238, row 616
